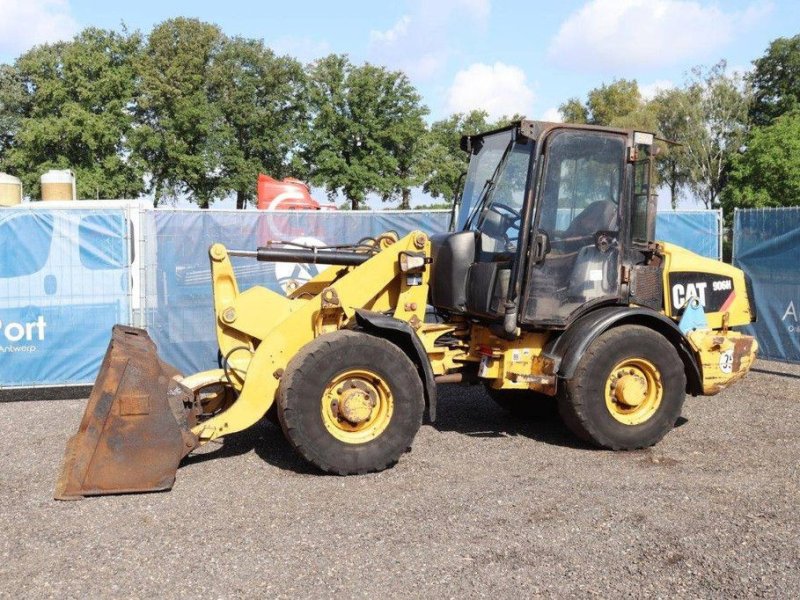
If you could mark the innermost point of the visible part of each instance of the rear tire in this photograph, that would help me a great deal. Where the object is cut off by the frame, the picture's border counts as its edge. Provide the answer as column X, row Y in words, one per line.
column 524, row 404
column 350, row 403
column 627, row 391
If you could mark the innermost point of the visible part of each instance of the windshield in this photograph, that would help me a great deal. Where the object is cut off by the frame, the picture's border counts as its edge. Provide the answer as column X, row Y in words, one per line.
column 494, row 189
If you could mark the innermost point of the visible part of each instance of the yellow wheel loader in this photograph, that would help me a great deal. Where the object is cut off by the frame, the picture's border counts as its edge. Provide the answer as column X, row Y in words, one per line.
column 553, row 290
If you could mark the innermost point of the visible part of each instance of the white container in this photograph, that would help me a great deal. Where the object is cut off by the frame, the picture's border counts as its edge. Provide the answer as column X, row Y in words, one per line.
column 10, row 190
column 58, row 185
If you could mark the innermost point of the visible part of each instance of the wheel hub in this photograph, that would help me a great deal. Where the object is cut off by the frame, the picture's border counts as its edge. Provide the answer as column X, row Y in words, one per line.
column 630, row 389
column 633, row 391
column 357, row 406
column 356, row 403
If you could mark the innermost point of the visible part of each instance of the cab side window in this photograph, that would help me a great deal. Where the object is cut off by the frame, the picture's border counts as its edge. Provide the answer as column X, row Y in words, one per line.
column 582, row 185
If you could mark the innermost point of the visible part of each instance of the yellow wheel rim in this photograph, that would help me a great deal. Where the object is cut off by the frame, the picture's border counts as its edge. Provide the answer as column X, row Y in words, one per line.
column 633, row 391
column 357, row 406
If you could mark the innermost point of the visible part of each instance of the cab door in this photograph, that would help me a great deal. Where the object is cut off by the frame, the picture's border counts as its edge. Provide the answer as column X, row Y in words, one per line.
column 575, row 257
column 497, row 225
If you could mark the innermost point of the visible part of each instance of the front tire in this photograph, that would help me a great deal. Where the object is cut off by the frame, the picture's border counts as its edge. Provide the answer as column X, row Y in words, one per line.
column 350, row 403
column 627, row 391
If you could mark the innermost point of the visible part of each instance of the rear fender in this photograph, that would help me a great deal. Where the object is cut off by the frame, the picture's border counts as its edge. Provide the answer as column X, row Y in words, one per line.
column 402, row 335
column 567, row 350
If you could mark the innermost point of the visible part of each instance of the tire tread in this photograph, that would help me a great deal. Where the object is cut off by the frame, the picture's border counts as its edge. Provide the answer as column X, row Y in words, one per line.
column 578, row 391
column 304, row 367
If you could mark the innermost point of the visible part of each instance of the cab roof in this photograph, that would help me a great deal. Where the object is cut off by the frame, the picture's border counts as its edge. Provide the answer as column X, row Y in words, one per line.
column 536, row 129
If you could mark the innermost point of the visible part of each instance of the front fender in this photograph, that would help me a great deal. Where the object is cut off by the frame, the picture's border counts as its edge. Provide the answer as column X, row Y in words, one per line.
column 402, row 335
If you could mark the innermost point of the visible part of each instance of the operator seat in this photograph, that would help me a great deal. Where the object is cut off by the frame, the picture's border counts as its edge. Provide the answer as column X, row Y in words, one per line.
column 598, row 216
column 564, row 278
column 587, row 261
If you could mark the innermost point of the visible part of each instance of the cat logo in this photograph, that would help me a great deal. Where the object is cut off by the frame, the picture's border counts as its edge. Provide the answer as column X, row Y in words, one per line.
column 681, row 293
column 714, row 292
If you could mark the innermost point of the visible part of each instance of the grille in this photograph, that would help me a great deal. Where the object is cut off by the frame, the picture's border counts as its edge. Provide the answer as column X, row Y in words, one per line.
column 646, row 287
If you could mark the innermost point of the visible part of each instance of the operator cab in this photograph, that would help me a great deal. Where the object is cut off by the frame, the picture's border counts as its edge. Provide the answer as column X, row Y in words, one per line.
column 551, row 217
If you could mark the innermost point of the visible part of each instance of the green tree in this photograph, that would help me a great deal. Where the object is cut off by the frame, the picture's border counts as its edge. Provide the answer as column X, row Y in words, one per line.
column 68, row 105
column 642, row 118
column 443, row 160
column 261, row 98
column 406, row 135
column 767, row 172
column 604, row 104
column 716, row 126
column 182, row 131
column 12, row 99
column 776, row 81
column 613, row 101
column 673, row 115
column 574, row 111
column 361, row 138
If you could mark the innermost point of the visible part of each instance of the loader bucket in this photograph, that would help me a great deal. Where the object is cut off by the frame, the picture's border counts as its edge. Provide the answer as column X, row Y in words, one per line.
column 136, row 427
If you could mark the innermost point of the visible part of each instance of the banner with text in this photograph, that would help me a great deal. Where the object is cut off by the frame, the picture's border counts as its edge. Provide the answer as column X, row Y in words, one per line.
column 64, row 282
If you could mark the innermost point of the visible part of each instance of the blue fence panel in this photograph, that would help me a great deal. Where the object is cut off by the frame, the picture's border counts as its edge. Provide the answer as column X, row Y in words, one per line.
column 179, row 314
column 696, row 230
column 766, row 245
column 64, row 282
column 65, row 276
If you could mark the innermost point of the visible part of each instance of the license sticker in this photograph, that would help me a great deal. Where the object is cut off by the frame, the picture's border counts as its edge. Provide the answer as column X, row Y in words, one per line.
column 726, row 361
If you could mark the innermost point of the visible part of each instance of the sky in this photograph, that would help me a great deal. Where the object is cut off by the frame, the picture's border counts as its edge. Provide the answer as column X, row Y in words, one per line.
column 511, row 56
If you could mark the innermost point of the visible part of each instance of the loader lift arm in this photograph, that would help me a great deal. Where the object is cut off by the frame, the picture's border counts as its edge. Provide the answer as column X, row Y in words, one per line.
column 249, row 318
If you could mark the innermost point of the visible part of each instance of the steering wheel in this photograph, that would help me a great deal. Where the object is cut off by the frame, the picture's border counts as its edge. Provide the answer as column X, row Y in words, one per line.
column 512, row 219
column 505, row 208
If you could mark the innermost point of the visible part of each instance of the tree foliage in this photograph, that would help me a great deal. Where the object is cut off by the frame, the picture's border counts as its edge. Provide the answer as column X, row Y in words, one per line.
column 261, row 100
column 776, row 81
column 181, row 131
column 766, row 170
column 443, row 160
column 672, row 113
column 68, row 105
column 604, row 104
column 613, row 101
column 187, row 111
column 716, row 125
column 365, row 130
column 767, row 173
column 574, row 111
column 12, row 99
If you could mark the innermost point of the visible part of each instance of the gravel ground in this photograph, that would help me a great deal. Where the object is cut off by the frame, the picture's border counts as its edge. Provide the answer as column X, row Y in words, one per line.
column 485, row 505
